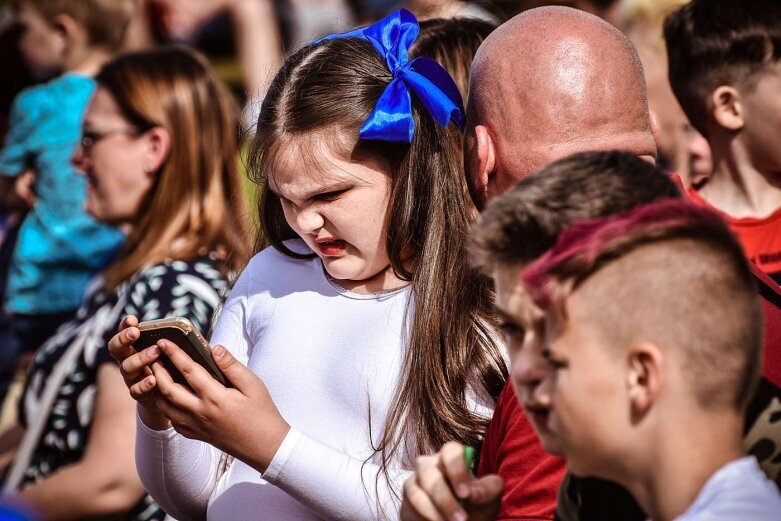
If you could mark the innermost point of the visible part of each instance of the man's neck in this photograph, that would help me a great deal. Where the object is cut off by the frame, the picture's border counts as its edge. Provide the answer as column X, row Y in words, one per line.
column 678, row 468
column 737, row 188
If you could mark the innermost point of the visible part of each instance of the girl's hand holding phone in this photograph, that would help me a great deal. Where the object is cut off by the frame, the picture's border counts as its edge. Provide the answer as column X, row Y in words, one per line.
column 242, row 421
column 136, row 369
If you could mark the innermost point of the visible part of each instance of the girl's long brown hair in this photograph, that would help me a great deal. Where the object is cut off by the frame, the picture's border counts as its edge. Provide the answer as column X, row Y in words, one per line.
column 328, row 90
column 195, row 204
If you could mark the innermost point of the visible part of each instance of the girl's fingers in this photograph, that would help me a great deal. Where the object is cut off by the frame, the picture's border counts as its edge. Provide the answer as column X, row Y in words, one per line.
column 172, row 392
column 198, row 378
column 143, row 391
column 128, row 321
column 138, row 364
column 121, row 345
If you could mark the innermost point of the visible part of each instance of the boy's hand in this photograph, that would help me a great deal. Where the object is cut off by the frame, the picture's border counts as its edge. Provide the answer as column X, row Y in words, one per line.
column 25, row 187
column 441, row 482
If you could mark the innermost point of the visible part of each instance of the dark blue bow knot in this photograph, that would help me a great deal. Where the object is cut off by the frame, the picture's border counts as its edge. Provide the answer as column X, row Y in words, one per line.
column 391, row 119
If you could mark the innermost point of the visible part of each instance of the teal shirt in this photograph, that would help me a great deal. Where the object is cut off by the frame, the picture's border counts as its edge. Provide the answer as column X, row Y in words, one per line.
column 59, row 247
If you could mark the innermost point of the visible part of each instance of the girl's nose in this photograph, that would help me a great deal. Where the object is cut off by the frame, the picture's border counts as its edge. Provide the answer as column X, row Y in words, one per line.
column 309, row 220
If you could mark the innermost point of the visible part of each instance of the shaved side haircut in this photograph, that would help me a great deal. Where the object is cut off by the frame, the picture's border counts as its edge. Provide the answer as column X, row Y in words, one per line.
column 669, row 273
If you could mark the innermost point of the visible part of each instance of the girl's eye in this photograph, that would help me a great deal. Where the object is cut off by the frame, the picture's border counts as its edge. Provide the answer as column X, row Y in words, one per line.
column 329, row 196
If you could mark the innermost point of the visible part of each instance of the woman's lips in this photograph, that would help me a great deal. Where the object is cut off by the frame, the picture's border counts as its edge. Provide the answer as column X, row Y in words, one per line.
column 331, row 247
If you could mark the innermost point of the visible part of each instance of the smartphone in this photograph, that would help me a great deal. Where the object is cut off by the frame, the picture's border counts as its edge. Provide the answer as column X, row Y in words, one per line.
column 184, row 334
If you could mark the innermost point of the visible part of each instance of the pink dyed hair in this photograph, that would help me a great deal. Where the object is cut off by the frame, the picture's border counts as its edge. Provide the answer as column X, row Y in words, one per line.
column 587, row 245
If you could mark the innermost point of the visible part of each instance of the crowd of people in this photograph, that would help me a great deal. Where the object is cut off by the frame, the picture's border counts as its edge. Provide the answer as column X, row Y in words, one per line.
column 552, row 239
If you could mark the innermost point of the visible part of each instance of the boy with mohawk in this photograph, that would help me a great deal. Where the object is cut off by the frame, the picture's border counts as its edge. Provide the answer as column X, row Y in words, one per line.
column 636, row 395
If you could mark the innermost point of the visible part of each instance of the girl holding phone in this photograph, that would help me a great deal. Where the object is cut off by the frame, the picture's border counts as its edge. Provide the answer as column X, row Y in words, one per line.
column 366, row 338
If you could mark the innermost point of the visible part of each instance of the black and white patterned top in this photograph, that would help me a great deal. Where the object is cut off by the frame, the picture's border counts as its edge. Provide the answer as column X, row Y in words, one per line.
column 191, row 289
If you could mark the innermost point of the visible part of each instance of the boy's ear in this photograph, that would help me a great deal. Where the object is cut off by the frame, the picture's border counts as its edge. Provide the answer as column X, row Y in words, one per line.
column 644, row 377
column 69, row 29
column 726, row 108
column 159, row 146
column 482, row 162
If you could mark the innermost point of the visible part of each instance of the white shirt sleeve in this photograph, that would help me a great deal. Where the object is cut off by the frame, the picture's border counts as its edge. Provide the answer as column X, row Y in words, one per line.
column 179, row 473
column 332, row 483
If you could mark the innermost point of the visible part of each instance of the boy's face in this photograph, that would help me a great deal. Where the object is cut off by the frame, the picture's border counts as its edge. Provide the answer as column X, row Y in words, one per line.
column 762, row 106
column 523, row 328
column 589, row 402
column 41, row 44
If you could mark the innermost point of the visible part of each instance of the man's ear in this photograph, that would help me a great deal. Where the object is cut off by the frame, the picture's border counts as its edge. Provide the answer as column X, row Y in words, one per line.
column 726, row 108
column 645, row 363
column 159, row 146
column 655, row 128
column 482, row 162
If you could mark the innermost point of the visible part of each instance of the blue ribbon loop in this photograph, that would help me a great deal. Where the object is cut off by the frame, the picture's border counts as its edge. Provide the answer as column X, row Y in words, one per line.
column 391, row 120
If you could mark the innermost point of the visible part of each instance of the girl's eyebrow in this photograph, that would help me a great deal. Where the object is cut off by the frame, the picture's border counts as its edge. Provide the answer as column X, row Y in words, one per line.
column 333, row 187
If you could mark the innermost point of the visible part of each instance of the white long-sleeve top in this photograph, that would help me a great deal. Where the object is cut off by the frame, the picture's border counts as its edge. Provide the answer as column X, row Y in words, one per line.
column 329, row 357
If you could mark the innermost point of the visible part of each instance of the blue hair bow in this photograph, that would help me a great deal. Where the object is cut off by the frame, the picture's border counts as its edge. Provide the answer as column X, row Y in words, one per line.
column 391, row 119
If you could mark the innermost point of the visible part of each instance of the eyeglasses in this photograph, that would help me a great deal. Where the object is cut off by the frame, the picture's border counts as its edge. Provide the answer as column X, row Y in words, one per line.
column 90, row 137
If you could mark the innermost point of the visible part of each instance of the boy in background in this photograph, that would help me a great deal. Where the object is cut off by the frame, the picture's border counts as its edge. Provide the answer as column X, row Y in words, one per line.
column 636, row 395
column 59, row 246
column 725, row 70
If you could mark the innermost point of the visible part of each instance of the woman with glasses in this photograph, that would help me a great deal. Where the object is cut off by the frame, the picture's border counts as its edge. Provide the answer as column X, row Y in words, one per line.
column 159, row 150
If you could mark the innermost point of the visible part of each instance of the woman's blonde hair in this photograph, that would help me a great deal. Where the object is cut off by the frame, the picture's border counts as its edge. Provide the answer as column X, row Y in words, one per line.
column 195, row 205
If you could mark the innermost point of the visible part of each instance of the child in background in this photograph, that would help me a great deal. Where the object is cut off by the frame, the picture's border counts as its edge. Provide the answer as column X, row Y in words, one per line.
column 635, row 394
column 372, row 337
column 725, row 70
column 59, row 247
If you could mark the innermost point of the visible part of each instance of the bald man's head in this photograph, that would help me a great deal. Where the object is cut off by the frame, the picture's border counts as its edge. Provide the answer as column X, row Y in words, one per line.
column 550, row 82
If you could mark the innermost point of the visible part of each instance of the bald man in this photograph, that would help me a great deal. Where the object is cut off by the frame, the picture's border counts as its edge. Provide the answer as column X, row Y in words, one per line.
column 548, row 83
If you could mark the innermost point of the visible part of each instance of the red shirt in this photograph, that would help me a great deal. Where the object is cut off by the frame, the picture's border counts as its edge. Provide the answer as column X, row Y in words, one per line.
column 760, row 238
column 512, row 450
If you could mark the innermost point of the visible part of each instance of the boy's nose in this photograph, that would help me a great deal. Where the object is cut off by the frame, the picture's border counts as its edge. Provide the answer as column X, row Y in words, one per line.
column 529, row 367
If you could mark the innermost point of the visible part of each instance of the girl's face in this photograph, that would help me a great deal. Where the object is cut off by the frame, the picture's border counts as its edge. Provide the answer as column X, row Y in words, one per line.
column 114, row 155
column 339, row 209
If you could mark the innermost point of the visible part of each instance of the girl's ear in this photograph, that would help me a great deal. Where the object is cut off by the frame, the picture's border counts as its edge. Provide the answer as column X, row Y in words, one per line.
column 158, row 148
column 726, row 108
column 644, row 377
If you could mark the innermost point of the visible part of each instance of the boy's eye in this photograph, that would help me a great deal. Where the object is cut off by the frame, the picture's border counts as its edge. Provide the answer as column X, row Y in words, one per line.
column 553, row 361
column 512, row 331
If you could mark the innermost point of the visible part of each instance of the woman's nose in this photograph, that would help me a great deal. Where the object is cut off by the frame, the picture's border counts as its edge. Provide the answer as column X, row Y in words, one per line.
column 78, row 158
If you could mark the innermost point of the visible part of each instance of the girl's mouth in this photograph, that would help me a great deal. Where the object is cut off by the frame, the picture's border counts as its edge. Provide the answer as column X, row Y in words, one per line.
column 331, row 247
